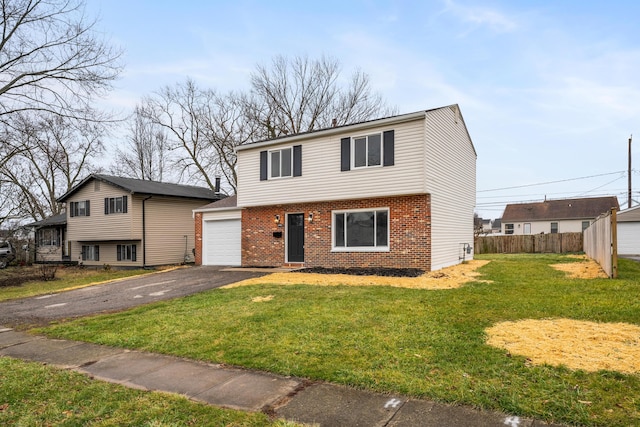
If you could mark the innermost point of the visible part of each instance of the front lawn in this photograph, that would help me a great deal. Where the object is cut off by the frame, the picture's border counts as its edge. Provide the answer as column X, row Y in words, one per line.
column 22, row 282
column 423, row 343
column 35, row 395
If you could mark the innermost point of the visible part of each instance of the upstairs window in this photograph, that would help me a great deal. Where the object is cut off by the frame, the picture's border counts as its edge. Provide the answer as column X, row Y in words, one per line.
column 376, row 149
column 113, row 205
column 281, row 163
column 79, row 208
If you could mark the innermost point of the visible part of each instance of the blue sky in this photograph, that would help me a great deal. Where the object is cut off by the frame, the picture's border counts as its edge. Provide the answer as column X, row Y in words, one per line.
column 550, row 90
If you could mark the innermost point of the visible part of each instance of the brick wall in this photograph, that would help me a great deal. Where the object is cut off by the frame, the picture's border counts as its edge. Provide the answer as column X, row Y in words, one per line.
column 410, row 234
column 198, row 234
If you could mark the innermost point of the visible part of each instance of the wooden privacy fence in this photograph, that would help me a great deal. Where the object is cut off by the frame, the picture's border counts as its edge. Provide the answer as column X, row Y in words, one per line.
column 530, row 243
column 601, row 244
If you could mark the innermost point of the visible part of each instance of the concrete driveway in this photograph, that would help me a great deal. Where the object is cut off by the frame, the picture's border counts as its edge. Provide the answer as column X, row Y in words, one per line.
column 118, row 295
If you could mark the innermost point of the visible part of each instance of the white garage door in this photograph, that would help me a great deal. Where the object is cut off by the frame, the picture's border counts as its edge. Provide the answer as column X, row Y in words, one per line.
column 629, row 238
column 221, row 242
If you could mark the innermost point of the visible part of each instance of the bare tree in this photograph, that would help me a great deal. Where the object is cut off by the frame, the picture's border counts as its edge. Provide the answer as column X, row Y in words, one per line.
column 59, row 154
column 51, row 59
column 145, row 154
column 298, row 94
column 292, row 96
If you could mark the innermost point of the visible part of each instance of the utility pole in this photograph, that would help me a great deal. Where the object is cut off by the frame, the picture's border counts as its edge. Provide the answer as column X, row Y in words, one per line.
column 629, row 193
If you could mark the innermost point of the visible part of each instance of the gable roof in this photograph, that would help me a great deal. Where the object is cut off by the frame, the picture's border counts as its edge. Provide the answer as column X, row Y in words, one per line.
column 587, row 208
column 629, row 215
column 227, row 203
column 152, row 188
column 392, row 120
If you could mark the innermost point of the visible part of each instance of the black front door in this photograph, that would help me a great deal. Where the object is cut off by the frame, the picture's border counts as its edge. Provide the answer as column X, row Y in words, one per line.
column 295, row 238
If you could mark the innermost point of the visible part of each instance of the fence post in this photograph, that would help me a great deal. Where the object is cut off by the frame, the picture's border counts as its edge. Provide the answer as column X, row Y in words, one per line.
column 614, row 243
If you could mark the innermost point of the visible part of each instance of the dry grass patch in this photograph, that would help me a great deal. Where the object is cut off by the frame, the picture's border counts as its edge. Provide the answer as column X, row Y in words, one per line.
column 585, row 269
column 447, row 278
column 575, row 344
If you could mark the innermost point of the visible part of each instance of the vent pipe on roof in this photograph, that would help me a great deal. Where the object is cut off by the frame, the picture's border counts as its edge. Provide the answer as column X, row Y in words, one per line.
column 334, row 123
column 217, row 189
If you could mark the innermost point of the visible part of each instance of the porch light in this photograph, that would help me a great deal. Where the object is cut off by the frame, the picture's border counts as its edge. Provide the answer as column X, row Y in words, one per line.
column 310, row 218
column 277, row 219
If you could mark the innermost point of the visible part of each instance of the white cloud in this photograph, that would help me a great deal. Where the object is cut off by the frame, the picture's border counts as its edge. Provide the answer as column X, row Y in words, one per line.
column 482, row 17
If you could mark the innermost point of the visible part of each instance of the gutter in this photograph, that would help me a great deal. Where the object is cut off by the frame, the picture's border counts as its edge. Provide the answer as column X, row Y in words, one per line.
column 144, row 233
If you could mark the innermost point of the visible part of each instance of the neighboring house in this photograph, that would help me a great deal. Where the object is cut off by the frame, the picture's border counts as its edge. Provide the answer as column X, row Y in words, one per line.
column 396, row 192
column 496, row 226
column 628, row 229
column 555, row 216
column 127, row 222
column 50, row 237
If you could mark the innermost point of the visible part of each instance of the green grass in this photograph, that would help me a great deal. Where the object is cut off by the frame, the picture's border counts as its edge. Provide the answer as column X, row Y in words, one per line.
column 35, row 395
column 427, row 344
column 66, row 278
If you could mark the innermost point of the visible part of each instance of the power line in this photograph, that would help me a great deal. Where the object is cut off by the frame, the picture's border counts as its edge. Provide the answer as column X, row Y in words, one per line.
column 549, row 182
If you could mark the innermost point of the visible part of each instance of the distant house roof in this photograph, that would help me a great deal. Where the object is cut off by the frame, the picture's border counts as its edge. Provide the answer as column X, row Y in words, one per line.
column 497, row 223
column 139, row 186
column 559, row 209
column 629, row 215
column 230, row 202
column 60, row 219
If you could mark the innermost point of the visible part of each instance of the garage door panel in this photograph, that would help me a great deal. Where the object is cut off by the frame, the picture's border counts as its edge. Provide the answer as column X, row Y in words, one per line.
column 221, row 242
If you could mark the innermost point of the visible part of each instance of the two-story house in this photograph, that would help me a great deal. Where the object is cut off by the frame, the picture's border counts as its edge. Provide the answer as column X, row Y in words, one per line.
column 396, row 192
column 555, row 216
column 127, row 222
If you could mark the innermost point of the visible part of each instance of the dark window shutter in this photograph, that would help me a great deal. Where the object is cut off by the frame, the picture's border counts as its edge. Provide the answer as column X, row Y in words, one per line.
column 97, row 252
column 119, row 254
column 133, row 252
column 84, row 253
column 263, row 166
column 86, row 204
column 388, row 147
column 124, row 204
column 297, row 160
column 72, row 206
column 345, row 154
column 106, row 206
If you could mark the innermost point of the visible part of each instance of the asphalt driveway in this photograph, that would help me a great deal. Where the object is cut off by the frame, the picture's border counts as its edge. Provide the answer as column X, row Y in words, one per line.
column 117, row 295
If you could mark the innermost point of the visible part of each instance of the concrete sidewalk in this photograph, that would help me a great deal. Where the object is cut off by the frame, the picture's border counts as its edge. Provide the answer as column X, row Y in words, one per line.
column 289, row 398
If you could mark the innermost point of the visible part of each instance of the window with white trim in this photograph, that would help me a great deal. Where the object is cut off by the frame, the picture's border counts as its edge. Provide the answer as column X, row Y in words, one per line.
column 361, row 230
column 366, row 151
column 281, row 163
column 508, row 229
column 554, row 227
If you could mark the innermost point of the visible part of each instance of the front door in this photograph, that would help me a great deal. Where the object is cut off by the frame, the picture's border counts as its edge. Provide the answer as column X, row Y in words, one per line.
column 295, row 238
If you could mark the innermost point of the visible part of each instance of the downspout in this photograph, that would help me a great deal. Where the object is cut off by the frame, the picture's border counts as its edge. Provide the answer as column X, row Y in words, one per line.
column 144, row 233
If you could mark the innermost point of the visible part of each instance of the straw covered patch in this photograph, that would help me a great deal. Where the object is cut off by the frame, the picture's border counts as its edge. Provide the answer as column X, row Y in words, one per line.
column 575, row 344
column 447, row 278
column 586, row 268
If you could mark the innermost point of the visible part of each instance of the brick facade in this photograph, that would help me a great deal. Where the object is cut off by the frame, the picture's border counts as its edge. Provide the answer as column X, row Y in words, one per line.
column 198, row 237
column 410, row 234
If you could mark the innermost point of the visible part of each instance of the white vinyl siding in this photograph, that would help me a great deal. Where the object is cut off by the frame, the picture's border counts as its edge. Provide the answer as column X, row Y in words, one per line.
column 451, row 180
column 322, row 179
